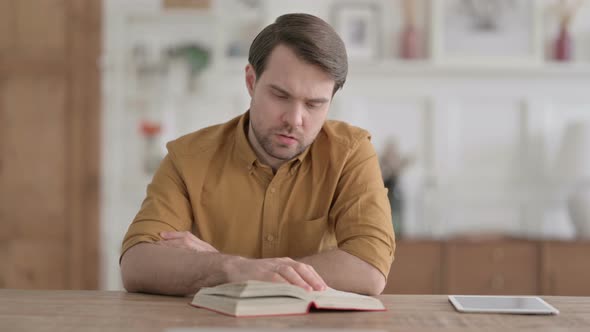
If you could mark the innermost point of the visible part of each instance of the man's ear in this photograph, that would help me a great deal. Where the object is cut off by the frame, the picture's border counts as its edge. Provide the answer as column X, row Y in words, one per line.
column 250, row 79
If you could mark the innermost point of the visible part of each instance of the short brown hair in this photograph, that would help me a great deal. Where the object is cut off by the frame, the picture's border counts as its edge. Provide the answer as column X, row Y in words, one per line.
column 310, row 37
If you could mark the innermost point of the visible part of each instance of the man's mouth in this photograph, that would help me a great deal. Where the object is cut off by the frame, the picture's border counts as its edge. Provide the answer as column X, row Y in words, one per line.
column 287, row 139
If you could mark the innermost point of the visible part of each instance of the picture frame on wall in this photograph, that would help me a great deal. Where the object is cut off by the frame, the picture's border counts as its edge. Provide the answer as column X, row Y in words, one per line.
column 487, row 32
column 358, row 25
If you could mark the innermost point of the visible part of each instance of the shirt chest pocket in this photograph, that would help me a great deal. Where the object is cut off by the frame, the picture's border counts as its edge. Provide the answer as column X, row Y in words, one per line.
column 308, row 237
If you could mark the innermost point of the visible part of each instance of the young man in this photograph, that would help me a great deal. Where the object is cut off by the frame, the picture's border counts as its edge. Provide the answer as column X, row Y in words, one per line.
column 277, row 194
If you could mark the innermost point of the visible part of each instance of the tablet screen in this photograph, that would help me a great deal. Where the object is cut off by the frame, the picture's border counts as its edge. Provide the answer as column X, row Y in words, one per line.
column 515, row 304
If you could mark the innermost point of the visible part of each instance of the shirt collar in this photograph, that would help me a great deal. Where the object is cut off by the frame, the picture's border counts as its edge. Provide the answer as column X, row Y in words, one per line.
column 302, row 155
column 242, row 144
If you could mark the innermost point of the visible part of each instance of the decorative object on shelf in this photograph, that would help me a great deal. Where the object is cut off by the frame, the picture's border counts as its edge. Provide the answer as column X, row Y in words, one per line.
column 573, row 166
column 410, row 38
column 486, row 32
column 392, row 165
column 147, row 67
column 194, row 55
column 358, row 25
column 186, row 4
column 250, row 4
column 152, row 155
column 563, row 44
column 152, row 67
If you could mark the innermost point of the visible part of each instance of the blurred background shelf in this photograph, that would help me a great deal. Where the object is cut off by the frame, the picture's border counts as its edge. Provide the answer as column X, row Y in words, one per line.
column 236, row 65
column 492, row 267
column 428, row 68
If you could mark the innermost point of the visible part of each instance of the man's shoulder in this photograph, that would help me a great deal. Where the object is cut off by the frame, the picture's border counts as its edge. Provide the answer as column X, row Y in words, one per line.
column 205, row 139
column 343, row 134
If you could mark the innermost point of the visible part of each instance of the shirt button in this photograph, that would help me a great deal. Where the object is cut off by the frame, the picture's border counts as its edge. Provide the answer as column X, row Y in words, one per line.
column 272, row 190
column 269, row 238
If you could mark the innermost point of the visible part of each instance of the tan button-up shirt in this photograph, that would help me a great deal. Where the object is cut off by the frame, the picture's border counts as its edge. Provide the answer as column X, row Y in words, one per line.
column 329, row 196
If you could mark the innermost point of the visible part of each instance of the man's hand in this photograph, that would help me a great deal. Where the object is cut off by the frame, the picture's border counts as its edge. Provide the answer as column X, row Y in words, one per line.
column 185, row 240
column 276, row 270
column 241, row 269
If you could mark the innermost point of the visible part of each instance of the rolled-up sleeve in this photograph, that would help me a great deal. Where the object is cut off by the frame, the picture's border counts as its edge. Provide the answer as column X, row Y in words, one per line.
column 165, row 208
column 361, row 210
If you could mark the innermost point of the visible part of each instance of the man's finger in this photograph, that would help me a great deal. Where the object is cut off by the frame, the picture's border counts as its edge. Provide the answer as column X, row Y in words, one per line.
column 204, row 246
column 292, row 276
column 187, row 236
column 200, row 246
column 309, row 274
column 175, row 243
column 172, row 235
column 321, row 283
column 278, row 278
column 179, row 243
column 207, row 246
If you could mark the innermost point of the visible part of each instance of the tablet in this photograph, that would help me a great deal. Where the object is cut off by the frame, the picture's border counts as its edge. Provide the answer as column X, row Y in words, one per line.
column 502, row 304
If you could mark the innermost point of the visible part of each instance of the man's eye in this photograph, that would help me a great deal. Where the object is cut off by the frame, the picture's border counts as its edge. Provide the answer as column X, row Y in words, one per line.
column 281, row 96
column 313, row 105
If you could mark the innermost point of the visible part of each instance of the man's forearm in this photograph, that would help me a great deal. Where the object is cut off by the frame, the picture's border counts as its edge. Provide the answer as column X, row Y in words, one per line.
column 152, row 268
column 346, row 272
column 171, row 270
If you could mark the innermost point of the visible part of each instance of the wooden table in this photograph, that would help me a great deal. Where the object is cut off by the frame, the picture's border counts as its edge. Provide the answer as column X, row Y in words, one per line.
column 27, row 310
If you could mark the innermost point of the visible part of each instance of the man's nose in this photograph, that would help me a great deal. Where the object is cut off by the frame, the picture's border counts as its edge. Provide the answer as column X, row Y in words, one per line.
column 294, row 115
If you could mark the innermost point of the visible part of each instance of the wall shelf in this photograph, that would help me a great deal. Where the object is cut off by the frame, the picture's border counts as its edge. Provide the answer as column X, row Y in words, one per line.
column 236, row 65
column 428, row 68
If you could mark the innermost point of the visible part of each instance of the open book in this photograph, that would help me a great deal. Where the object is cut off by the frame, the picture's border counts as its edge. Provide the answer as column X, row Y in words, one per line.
column 258, row 298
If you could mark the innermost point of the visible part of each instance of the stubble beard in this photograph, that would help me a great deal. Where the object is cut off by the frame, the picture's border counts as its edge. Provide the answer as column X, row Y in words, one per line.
column 265, row 141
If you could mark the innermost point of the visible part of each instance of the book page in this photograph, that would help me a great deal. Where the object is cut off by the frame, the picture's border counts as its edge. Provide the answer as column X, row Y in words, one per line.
column 254, row 288
column 334, row 299
column 329, row 299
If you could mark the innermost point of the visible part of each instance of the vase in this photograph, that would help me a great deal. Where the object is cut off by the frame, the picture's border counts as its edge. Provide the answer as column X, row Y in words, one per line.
column 563, row 45
column 410, row 42
column 395, row 196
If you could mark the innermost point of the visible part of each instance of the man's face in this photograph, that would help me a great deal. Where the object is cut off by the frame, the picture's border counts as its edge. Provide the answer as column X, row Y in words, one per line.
column 289, row 105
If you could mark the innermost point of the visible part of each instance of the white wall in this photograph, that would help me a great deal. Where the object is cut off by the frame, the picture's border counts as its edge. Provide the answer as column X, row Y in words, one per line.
column 484, row 138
